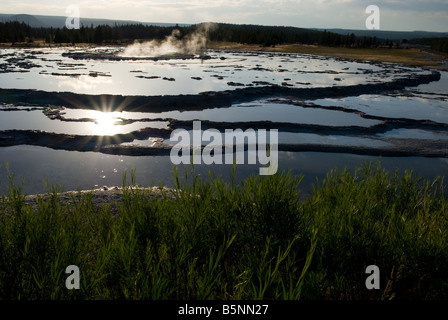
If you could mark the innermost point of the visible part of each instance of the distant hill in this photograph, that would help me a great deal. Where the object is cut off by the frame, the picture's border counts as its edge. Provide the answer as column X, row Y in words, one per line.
column 38, row 21
column 391, row 35
column 32, row 21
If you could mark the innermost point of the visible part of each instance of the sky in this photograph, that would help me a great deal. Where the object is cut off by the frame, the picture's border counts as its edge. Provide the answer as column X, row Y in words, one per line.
column 397, row 15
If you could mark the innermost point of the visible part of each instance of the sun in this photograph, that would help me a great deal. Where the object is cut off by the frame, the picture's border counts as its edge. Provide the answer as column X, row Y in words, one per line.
column 105, row 123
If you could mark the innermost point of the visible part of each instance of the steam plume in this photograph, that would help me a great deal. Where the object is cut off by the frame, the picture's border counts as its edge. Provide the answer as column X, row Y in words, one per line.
column 195, row 43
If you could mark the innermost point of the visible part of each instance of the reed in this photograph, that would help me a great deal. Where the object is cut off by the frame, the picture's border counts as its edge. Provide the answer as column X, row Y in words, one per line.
column 211, row 239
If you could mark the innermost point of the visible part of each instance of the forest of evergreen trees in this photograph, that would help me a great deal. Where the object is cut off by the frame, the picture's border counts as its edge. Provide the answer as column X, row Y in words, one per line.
column 271, row 36
column 20, row 32
column 15, row 32
column 248, row 34
column 436, row 44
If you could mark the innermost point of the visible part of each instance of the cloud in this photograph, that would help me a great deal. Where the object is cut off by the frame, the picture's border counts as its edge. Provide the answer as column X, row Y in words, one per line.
column 395, row 14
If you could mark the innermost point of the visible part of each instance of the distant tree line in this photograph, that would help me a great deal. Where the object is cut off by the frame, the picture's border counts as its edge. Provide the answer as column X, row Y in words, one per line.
column 249, row 34
column 21, row 32
column 436, row 44
column 274, row 35
column 113, row 34
column 15, row 32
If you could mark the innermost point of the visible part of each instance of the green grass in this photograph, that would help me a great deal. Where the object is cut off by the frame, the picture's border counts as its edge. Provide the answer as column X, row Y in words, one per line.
column 258, row 239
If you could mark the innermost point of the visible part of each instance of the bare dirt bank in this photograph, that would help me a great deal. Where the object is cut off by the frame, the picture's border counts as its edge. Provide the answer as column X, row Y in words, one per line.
column 406, row 55
column 105, row 196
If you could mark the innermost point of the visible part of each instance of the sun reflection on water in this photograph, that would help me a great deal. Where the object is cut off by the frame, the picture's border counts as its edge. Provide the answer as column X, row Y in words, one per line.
column 106, row 123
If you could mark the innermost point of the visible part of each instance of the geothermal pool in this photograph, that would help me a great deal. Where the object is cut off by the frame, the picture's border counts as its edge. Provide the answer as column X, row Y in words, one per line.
column 81, row 117
column 56, row 70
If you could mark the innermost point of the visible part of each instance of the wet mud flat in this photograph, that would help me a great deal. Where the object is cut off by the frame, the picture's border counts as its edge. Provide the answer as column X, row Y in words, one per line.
column 206, row 99
column 381, row 79
column 114, row 145
column 116, row 57
column 121, row 144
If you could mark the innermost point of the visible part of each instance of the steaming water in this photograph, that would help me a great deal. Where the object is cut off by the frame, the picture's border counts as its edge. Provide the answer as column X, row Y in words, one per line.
column 53, row 72
column 290, row 138
column 36, row 120
column 48, row 70
column 194, row 43
column 86, row 170
column 245, row 112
